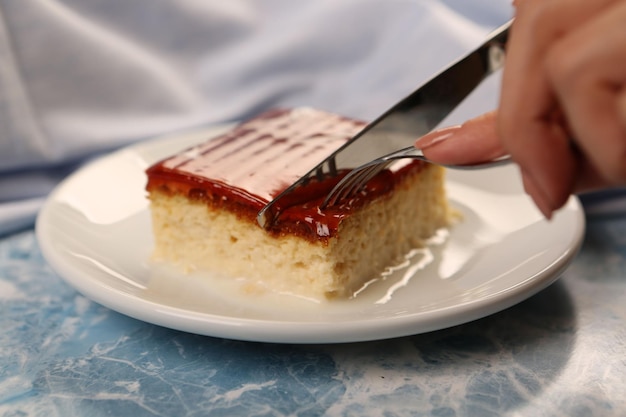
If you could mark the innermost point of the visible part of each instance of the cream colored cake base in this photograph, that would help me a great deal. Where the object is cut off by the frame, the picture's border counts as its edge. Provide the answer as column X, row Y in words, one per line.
column 194, row 236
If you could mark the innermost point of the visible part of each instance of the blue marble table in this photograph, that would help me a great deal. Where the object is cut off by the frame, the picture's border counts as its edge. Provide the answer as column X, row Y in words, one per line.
column 560, row 353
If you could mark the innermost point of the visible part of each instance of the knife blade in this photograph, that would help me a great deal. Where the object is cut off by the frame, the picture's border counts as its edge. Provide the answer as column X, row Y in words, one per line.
column 412, row 117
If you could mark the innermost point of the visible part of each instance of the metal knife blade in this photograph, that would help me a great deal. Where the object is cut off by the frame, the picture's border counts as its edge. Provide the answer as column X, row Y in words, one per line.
column 412, row 117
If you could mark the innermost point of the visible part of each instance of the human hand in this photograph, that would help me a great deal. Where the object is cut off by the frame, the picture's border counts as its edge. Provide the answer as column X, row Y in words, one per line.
column 562, row 112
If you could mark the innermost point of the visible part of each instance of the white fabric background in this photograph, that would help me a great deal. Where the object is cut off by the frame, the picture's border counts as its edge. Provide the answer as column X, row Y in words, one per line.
column 81, row 77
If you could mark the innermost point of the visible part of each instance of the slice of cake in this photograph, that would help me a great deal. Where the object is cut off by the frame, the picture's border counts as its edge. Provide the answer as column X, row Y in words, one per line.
column 204, row 203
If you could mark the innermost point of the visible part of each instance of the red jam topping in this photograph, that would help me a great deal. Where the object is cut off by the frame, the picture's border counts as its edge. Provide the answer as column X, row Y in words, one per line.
column 245, row 168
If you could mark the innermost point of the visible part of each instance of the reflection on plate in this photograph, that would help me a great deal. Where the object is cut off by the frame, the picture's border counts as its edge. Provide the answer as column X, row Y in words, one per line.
column 95, row 231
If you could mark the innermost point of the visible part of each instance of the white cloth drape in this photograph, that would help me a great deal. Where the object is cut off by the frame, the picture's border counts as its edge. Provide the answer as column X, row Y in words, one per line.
column 82, row 77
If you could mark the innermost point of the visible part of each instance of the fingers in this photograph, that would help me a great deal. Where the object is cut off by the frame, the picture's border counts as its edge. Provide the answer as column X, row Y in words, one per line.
column 562, row 113
column 531, row 122
column 590, row 84
column 474, row 141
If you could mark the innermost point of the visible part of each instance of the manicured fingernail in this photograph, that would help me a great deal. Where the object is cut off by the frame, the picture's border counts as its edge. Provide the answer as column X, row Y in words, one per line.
column 436, row 136
column 538, row 196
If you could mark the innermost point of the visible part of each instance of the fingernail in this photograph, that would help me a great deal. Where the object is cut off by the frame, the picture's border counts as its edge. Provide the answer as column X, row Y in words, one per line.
column 538, row 196
column 436, row 136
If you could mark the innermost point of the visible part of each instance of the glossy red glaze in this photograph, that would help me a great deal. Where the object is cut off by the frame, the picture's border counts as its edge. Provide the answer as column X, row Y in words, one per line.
column 245, row 168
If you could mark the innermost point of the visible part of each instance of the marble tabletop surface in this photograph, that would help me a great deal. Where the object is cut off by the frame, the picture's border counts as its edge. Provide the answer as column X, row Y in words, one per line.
column 561, row 352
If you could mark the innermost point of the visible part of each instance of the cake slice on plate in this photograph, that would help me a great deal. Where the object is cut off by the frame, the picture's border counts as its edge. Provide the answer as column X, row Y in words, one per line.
column 204, row 203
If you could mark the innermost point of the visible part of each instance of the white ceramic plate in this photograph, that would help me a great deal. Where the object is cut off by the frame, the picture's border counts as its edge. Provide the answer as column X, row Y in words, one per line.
column 95, row 231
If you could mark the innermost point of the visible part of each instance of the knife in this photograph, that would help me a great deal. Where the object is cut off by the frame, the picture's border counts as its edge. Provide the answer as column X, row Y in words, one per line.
column 412, row 117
